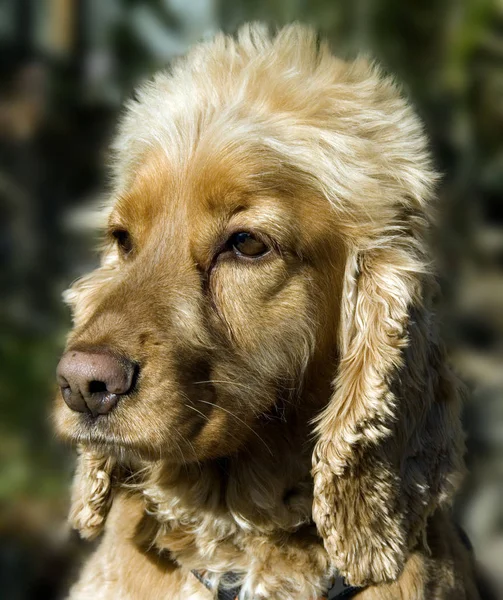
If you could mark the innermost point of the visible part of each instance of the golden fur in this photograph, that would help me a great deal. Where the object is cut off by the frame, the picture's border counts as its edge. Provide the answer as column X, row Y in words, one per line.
column 294, row 414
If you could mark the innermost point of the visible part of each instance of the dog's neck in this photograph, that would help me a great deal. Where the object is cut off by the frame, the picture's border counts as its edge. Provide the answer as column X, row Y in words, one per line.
column 203, row 513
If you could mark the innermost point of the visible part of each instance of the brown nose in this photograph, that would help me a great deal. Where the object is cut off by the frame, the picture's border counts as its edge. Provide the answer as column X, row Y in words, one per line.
column 93, row 381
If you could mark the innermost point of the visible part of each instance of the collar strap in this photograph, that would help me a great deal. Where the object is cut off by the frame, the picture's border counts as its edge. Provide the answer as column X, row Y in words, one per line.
column 338, row 591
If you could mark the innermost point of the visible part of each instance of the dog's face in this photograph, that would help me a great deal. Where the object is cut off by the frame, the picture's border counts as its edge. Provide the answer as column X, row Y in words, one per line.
column 219, row 284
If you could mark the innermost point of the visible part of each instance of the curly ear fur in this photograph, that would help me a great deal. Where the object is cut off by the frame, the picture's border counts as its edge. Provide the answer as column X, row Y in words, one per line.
column 92, row 493
column 390, row 446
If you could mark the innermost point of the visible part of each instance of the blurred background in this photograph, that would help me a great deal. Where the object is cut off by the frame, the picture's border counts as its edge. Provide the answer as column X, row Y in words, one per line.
column 65, row 68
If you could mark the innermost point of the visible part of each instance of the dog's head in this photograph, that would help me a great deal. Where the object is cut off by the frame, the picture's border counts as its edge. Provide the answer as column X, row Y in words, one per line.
column 267, row 234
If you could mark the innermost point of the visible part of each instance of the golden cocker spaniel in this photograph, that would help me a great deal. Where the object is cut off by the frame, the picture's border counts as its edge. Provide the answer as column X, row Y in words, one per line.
column 254, row 380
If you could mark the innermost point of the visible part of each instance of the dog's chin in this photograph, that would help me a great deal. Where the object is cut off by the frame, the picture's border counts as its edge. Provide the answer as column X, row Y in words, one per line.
column 105, row 433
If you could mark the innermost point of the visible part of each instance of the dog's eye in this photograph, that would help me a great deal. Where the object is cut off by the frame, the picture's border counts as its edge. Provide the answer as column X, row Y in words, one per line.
column 123, row 239
column 246, row 244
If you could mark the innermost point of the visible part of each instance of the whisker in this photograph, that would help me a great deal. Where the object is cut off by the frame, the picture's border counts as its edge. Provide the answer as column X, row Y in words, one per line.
column 208, row 419
column 193, row 452
column 222, row 381
column 252, row 391
column 226, row 382
column 241, row 421
column 184, row 462
column 293, row 391
column 198, row 411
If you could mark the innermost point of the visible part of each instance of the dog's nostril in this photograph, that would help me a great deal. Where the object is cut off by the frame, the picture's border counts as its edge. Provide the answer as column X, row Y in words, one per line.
column 97, row 386
column 67, row 394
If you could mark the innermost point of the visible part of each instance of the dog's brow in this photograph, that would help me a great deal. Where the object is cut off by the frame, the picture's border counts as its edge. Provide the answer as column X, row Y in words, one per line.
column 269, row 215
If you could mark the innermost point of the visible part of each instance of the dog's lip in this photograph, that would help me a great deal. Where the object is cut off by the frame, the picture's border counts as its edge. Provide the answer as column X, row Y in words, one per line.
column 99, row 439
column 99, row 430
column 74, row 426
column 86, row 425
column 95, row 432
column 91, row 419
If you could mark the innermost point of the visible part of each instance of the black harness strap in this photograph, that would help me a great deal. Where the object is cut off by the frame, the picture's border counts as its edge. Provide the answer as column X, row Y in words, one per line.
column 338, row 591
column 341, row 591
column 224, row 592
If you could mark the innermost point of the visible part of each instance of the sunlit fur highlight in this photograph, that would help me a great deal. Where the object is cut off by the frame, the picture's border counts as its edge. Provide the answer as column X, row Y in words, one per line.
column 355, row 340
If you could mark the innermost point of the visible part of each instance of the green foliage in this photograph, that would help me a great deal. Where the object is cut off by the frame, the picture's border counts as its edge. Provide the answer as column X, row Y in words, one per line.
column 30, row 458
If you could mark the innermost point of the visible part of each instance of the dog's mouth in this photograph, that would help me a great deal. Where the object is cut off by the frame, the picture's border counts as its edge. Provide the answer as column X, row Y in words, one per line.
column 104, row 435
column 148, row 423
column 89, row 427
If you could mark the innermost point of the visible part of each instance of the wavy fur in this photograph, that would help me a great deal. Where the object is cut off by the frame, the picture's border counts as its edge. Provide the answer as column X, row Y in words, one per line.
column 335, row 328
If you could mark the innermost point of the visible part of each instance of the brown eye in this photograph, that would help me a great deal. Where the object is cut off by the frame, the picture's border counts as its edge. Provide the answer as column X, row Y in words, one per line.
column 246, row 244
column 123, row 239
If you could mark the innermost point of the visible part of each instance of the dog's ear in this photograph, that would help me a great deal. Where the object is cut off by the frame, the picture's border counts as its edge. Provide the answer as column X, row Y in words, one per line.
column 92, row 492
column 389, row 448
column 389, row 443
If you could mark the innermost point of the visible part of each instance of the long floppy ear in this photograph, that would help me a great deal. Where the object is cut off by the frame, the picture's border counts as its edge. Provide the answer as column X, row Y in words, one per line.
column 92, row 492
column 390, row 445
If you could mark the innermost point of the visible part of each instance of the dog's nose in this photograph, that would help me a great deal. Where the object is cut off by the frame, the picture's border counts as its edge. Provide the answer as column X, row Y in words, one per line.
column 93, row 381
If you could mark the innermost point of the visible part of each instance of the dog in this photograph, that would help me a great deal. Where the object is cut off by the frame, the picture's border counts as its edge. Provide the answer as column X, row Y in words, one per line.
column 255, row 381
